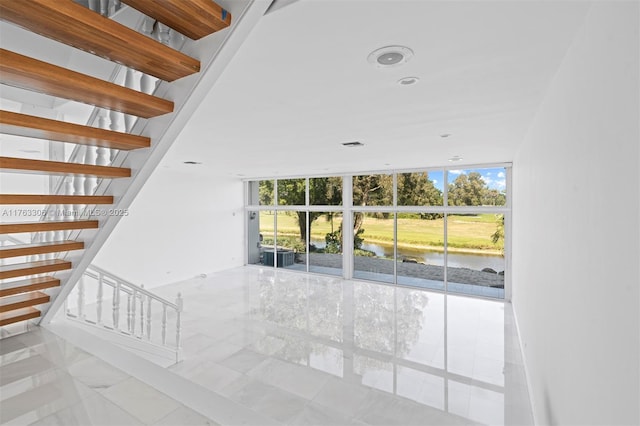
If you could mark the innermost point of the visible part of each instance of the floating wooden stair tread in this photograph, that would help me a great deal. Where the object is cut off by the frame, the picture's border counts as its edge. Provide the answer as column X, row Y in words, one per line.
column 77, row 26
column 31, row 74
column 39, row 248
column 54, row 199
column 16, row 228
column 193, row 18
column 13, row 123
column 18, row 315
column 61, row 168
column 23, row 300
column 32, row 268
column 25, row 286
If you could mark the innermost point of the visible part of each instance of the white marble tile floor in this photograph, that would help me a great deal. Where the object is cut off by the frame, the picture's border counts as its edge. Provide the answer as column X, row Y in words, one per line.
column 309, row 349
column 293, row 349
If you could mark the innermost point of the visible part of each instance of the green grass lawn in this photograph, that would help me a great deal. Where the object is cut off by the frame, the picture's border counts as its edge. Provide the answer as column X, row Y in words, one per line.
column 468, row 233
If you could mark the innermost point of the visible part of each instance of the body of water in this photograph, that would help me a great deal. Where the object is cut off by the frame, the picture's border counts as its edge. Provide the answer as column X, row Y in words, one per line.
column 460, row 260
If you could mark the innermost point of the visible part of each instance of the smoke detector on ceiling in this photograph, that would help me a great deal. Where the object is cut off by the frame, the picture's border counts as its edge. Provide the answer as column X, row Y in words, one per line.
column 390, row 56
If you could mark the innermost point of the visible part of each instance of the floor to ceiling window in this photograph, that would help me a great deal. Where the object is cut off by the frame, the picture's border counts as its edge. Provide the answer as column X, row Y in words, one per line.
column 440, row 229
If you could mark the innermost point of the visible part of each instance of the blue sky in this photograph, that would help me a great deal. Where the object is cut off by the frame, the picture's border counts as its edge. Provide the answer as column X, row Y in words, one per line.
column 495, row 177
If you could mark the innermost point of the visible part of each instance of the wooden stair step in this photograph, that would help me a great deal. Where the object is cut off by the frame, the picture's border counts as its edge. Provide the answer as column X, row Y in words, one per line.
column 18, row 315
column 16, row 228
column 25, row 165
column 193, row 18
column 54, row 199
column 39, row 248
column 13, row 123
column 77, row 26
column 31, row 284
column 23, row 300
column 32, row 268
column 31, row 74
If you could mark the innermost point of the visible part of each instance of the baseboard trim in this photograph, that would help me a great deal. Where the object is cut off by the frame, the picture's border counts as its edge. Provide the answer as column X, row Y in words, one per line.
column 527, row 376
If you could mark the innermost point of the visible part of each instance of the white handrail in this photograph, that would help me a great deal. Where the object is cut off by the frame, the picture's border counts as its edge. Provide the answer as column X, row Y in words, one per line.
column 138, row 315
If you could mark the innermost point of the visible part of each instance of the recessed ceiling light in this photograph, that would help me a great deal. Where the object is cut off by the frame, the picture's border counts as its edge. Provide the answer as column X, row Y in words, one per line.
column 408, row 81
column 390, row 56
column 455, row 158
column 192, row 162
column 352, row 144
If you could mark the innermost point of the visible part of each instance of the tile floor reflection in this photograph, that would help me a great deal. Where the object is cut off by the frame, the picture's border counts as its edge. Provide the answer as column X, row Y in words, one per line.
column 308, row 349
column 295, row 348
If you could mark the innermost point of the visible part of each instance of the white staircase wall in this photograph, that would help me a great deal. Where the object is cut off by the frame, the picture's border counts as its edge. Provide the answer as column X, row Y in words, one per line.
column 215, row 52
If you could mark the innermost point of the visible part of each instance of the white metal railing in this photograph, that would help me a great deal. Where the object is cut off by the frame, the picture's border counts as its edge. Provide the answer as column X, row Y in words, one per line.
column 103, row 7
column 111, row 303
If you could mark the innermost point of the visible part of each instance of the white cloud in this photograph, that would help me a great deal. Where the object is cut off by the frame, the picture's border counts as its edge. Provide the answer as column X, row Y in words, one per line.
column 501, row 174
column 435, row 181
column 455, row 172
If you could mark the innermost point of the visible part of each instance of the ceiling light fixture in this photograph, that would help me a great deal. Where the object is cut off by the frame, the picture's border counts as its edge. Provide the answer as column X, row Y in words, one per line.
column 352, row 144
column 390, row 56
column 192, row 162
column 455, row 158
column 445, row 135
column 408, row 81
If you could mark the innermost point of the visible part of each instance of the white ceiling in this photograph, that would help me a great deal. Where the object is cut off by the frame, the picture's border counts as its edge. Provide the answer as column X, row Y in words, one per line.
column 301, row 85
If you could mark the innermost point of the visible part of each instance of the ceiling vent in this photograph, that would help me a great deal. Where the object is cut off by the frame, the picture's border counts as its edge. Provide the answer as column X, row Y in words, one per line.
column 352, row 144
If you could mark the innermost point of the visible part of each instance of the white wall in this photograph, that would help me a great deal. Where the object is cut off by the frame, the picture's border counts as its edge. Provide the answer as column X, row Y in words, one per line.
column 181, row 224
column 576, row 230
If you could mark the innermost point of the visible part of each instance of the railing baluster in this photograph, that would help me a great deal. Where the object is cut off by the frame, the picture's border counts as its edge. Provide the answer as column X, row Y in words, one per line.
column 104, row 8
column 142, row 313
column 90, row 182
column 162, row 33
column 60, row 215
column 116, row 305
column 128, row 313
column 164, row 324
column 133, row 312
column 147, row 25
column 148, row 317
column 99, row 301
column 68, row 208
column 81, row 298
column 46, row 238
column 178, row 320
column 114, row 120
column 146, row 84
column 78, row 188
column 94, row 5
